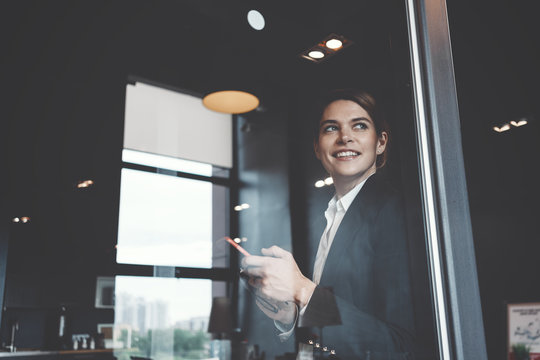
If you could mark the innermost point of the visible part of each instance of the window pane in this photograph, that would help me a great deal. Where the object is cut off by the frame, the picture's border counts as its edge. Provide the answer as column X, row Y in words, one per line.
column 164, row 220
column 163, row 318
column 166, row 162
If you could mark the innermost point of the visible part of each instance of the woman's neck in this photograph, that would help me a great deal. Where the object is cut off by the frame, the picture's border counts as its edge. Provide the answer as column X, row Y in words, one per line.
column 343, row 186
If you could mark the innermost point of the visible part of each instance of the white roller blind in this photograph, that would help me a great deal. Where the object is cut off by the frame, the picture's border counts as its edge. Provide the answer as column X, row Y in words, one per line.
column 169, row 123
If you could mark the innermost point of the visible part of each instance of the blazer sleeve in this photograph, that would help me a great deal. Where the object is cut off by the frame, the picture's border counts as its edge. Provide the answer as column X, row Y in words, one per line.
column 383, row 329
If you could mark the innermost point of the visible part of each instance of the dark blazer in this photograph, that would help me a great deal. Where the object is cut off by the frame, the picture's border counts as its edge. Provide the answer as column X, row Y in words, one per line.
column 365, row 284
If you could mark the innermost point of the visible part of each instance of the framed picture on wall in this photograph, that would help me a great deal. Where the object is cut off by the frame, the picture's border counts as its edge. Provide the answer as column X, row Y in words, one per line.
column 523, row 331
column 104, row 292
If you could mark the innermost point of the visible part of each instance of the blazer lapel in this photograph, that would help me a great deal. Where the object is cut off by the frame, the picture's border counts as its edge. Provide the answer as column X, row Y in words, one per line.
column 355, row 222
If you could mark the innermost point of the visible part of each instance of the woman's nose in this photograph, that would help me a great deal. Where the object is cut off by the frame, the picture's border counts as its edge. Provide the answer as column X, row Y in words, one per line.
column 345, row 137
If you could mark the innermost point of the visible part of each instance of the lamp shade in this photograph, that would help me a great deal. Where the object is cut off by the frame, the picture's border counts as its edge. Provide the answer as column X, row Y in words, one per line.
column 231, row 101
column 220, row 316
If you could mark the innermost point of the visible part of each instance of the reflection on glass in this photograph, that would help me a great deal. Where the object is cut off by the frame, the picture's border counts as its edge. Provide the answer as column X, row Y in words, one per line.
column 162, row 318
column 164, row 220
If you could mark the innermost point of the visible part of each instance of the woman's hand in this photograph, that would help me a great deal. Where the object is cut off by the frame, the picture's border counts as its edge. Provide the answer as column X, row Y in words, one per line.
column 282, row 311
column 276, row 276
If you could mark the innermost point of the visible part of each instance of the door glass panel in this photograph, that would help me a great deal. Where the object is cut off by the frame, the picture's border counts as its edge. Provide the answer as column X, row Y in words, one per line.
column 498, row 94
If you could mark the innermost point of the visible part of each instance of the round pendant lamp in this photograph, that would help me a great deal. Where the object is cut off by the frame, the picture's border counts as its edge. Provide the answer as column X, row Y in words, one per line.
column 231, row 101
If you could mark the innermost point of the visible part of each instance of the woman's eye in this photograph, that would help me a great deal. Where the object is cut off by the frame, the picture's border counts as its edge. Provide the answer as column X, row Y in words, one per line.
column 360, row 126
column 330, row 128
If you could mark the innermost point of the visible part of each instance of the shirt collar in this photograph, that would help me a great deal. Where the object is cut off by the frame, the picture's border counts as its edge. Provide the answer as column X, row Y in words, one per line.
column 346, row 200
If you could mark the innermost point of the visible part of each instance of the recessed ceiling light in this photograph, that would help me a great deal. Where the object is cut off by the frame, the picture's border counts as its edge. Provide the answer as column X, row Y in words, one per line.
column 16, row 220
column 255, row 19
column 316, row 54
column 231, row 101
column 328, row 181
column 319, row 183
column 503, row 128
column 334, row 44
column 519, row 123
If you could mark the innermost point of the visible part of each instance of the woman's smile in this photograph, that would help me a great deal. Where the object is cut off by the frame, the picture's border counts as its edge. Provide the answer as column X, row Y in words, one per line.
column 348, row 144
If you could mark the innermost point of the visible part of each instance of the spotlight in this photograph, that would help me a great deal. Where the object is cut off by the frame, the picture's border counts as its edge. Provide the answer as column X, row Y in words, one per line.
column 501, row 129
column 85, row 184
column 238, row 208
column 316, row 54
column 327, row 47
column 334, row 44
column 319, row 183
column 244, row 206
column 237, row 240
column 16, row 220
column 519, row 123
column 328, row 181
column 25, row 219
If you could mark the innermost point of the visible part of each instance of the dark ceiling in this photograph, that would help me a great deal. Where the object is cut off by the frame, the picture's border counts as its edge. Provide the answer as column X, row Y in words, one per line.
column 65, row 64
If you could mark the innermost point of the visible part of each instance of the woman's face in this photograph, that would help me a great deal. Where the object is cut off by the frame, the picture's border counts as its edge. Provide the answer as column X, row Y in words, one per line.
column 348, row 143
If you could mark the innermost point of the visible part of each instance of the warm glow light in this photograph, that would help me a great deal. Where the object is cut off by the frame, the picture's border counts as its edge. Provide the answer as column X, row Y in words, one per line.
column 518, row 123
column 16, row 220
column 319, row 183
column 255, row 19
column 316, row 54
column 238, row 208
column 231, row 101
column 334, row 44
column 85, row 184
column 503, row 128
column 328, row 181
column 25, row 219
column 245, row 206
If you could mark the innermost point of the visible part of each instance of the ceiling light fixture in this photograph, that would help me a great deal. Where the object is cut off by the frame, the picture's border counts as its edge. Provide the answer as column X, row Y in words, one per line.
column 501, row 129
column 316, row 54
column 334, row 44
column 519, row 123
column 255, row 20
column 327, row 47
column 231, row 101
column 85, row 184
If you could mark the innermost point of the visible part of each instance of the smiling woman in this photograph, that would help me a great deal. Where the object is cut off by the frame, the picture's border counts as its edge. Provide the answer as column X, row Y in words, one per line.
column 365, row 231
column 350, row 141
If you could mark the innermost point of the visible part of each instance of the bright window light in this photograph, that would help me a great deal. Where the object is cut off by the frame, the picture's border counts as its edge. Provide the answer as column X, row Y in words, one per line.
column 164, row 220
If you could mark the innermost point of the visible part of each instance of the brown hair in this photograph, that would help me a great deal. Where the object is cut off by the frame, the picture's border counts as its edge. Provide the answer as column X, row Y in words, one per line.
column 368, row 103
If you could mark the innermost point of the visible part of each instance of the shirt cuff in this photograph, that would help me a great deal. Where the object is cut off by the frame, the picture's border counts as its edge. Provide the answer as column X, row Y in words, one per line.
column 286, row 329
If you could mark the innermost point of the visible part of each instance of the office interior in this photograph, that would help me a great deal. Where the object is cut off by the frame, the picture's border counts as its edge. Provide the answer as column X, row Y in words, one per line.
column 65, row 66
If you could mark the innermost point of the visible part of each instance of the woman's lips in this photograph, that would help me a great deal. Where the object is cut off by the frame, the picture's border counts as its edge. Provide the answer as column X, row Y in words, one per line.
column 346, row 154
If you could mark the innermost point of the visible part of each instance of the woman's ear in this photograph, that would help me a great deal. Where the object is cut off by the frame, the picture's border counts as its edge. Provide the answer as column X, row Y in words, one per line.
column 381, row 142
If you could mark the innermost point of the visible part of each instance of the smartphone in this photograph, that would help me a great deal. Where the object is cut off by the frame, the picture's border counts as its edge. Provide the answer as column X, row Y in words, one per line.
column 238, row 247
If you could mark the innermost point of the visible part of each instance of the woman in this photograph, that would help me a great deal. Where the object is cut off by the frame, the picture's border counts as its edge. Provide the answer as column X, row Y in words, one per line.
column 360, row 290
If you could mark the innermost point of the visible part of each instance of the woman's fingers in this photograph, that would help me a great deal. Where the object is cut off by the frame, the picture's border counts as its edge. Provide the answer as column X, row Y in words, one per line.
column 276, row 251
